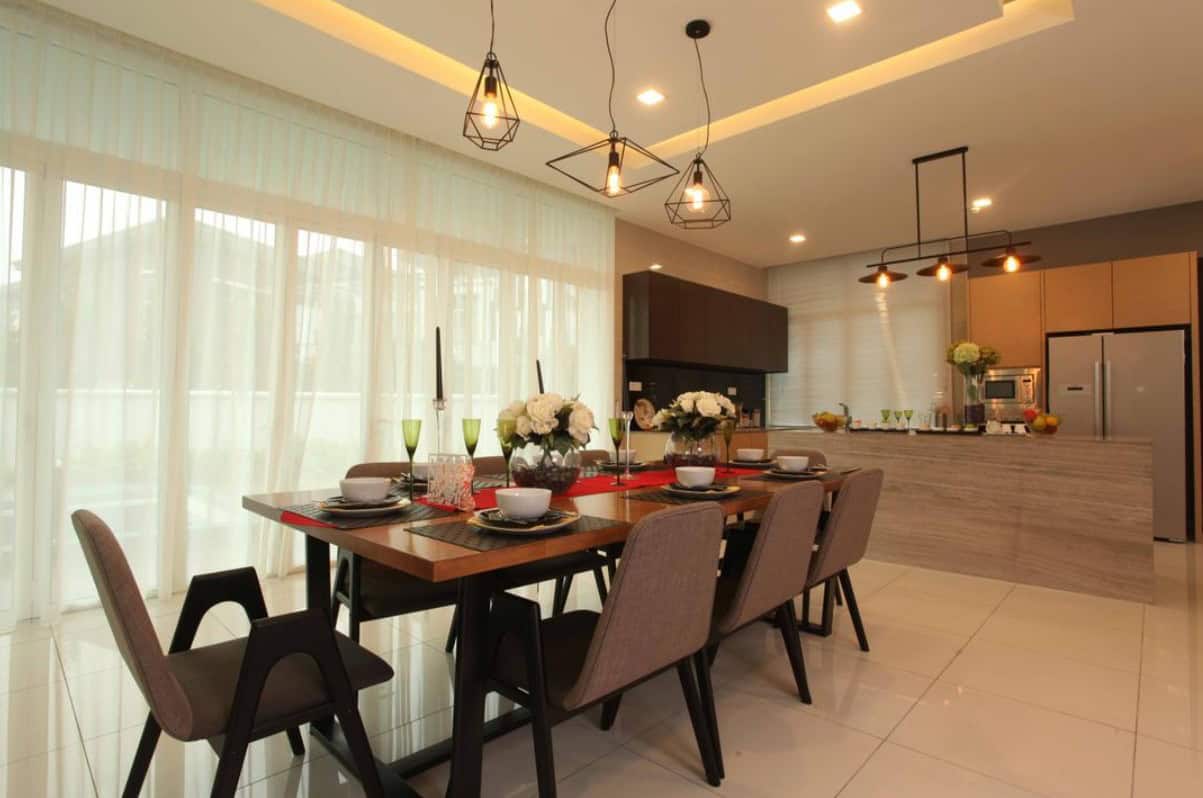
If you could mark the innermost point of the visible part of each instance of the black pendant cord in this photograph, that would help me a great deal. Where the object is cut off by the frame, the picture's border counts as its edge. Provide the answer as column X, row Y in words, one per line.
column 613, row 72
column 492, row 26
column 705, row 94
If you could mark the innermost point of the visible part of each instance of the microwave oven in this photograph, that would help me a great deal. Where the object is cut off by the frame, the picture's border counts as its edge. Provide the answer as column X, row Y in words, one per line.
column 1008, row 392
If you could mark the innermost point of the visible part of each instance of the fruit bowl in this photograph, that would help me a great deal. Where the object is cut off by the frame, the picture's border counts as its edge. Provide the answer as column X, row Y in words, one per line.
column 1042, row 423
column 828, row 422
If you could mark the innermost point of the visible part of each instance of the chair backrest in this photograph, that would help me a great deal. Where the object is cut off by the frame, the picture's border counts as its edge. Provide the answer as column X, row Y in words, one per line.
column 591, row 457
column 658, row 611
column 490, row 465
column 779, row 563
column 846, row 535
column 391, row 470
column 816, row 456
column 130, row 624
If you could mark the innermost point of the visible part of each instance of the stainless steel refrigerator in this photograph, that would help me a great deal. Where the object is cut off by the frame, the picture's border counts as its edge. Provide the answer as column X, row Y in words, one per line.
column 1129, row 385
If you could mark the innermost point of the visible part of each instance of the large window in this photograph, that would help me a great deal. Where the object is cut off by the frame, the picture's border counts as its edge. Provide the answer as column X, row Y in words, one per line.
column 211, row 289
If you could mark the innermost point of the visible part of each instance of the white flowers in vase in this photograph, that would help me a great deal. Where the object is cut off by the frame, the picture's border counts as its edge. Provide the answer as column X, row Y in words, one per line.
column 695, row 415
column 550, row 420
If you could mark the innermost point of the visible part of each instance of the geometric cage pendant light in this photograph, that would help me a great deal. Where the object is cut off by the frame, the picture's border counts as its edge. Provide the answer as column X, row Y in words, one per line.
column 698, row 201
column 491, row 121
column 599, row 166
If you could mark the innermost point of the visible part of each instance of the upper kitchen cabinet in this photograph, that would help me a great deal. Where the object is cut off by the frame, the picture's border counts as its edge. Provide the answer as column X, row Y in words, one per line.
column 1004, row 312
column 1154, row 291
column 675, row 321
column 1078, row 298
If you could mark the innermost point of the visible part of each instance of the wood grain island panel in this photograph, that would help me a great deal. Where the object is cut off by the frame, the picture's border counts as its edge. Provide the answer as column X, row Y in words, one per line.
column 1067, row 513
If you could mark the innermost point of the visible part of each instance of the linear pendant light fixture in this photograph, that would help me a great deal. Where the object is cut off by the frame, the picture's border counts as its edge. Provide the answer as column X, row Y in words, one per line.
column 491, row 121
column 698, row 201
column 1010, row 260
column 615, row 149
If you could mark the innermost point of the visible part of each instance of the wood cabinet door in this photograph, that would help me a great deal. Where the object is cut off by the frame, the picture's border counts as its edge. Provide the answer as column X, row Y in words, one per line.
column 1004, row 312
column 1078, row 298
column 1152, row 291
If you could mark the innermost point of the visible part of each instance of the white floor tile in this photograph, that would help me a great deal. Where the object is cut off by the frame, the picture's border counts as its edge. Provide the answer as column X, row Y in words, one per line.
column 626, row 773
column 1021, row 744
column 30, row 663
column 1093, row 644
column 1167, row 771
column 896, row 772
column 1171, row 711
column 897, row 604
column 36, row 720
column 926, row 652
column 953, row 587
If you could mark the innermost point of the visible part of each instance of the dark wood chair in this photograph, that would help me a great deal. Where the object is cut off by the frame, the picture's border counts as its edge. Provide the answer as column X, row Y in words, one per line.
column 290, row 670
column 656, row 617
column 842, row 543
column 371, row 591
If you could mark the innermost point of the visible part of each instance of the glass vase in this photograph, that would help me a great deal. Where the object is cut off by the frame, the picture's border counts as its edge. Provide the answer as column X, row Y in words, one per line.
column 975, row 407
column 681, row 450
column 538, row 466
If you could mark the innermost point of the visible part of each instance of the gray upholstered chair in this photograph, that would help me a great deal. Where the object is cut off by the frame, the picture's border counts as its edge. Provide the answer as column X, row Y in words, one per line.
column 371, row 591
column 591, row 458
column 290, row 670
column 817, row 458
column 844, row 541
column 492, row 466
column 658, row 616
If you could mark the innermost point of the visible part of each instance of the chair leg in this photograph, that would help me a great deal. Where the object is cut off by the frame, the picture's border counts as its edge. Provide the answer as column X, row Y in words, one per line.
column 706, row 693
column 295, row 742
column 839, row 597
column 793, row 647
column 854, row 610
column 689, row 689
column 142, row 757
column 610, row 712
column 453, row 632
column 229, row 761
column 561, row 602
column 602, row 592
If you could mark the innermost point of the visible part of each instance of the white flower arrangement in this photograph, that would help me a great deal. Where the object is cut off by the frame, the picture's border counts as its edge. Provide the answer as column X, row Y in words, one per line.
column 558, row 424
column 695, row 415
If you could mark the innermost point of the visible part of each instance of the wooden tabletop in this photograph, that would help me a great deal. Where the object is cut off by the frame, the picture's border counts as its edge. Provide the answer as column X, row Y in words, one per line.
column 436, row 561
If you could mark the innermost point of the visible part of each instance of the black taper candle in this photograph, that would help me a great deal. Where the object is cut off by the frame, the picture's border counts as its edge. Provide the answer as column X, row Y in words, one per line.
column 539, row 373
column 438, row 363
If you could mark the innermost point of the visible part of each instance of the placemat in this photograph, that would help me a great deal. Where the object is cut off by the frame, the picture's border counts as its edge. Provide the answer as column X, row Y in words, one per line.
column 414, row 512
column 464, row 534
column 664, row 497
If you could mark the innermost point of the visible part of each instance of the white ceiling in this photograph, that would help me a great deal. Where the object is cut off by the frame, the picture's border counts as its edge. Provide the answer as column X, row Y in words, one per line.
column 1096, row 116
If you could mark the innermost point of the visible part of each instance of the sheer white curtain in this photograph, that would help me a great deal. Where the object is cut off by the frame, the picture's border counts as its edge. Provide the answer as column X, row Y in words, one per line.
column 211, row 288
column 849, row 342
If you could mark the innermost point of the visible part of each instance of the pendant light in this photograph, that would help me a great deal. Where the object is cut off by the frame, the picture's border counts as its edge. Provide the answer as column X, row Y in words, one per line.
column 1011, row 260
column 698, row 201
column 615, row 148
column 491, row 121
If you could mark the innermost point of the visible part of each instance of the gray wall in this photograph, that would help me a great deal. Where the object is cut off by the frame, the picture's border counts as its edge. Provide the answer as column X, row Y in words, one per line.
column 1160, row 231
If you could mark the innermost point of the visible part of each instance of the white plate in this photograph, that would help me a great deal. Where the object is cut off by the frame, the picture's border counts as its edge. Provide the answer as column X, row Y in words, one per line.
column 798, row 475
column 363, row 512
column 730, row 490
column 478, row 520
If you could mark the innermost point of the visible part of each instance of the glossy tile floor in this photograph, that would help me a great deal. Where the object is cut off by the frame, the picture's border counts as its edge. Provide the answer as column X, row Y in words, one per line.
column 973, row 688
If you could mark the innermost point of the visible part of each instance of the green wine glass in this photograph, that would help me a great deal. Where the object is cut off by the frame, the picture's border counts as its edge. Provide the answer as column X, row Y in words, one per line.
column 885, row 416
column 411, row 428
column 471, row 435
column 728, row 428
column 897, row 417
column 506, row 427
column 908, row 414
column 617, row 433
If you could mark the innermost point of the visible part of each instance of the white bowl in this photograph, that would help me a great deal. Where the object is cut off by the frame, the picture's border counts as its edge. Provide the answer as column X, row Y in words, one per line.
column 790, row 462
column 695, row 476
column 523, row 504
column 749, row 455
column 365, row 489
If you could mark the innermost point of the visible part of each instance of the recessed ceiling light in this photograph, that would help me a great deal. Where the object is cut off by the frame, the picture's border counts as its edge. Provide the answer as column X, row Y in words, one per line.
column 650, row 97
column 842, row 12
column 656, row 267
column 980, row 204
column 797, row 238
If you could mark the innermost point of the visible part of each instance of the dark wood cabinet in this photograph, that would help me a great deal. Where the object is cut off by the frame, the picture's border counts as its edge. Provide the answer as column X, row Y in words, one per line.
column 667, row 320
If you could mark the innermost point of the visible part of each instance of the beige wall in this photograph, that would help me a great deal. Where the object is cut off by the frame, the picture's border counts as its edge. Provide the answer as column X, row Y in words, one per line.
column 636, row 248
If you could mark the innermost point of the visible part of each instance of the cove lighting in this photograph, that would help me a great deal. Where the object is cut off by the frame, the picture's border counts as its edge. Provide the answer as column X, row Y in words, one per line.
column 842, row 12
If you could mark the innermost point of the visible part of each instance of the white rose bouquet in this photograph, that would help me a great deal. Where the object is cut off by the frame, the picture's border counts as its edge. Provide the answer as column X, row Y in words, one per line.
column 695, row 415
column 558, row 424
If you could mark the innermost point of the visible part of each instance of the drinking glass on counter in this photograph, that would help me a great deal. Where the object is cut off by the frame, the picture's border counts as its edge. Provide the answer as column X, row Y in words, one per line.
column 907, row 414
column 885, row 418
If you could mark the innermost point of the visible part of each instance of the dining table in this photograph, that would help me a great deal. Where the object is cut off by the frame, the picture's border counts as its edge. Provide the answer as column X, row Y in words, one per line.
column 415, row 547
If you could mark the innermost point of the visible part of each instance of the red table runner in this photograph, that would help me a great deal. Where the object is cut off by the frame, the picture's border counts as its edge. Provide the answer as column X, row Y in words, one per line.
column 602, row 483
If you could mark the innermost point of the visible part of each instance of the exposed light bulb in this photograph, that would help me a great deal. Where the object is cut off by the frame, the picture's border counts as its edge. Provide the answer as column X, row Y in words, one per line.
column 613, row 173
column 943, row 273
column 883, row 280
column 1011, row 264
column 488, row 109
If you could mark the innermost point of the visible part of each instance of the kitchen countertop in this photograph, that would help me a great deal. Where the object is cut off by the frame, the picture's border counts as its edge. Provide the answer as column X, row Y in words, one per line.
column 738, row 430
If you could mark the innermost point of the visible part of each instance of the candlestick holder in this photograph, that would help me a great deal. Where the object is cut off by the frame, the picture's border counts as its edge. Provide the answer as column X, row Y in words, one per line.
column 626, row 416
column 440, row 405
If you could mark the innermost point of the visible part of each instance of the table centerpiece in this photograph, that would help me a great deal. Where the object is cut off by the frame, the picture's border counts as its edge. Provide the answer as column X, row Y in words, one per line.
column 548, row 432
column 692, row 419
column 973, row 360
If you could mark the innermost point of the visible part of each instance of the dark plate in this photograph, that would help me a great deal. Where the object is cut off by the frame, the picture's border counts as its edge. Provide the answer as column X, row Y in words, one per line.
column 346, row 504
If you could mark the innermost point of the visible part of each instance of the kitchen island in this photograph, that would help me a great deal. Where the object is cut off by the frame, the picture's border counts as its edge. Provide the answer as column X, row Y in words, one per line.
column 1068, row 513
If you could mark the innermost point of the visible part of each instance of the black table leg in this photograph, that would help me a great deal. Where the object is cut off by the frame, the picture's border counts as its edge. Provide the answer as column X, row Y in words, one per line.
column 317, row 573
column 467, row 728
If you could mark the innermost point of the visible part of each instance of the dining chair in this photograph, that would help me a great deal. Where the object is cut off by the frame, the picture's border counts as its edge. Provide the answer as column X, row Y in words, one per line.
column 291, row 669
column 656, row 617
column 371, row 591
column 842, row 543
column 817, row 457
column 591, row 458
